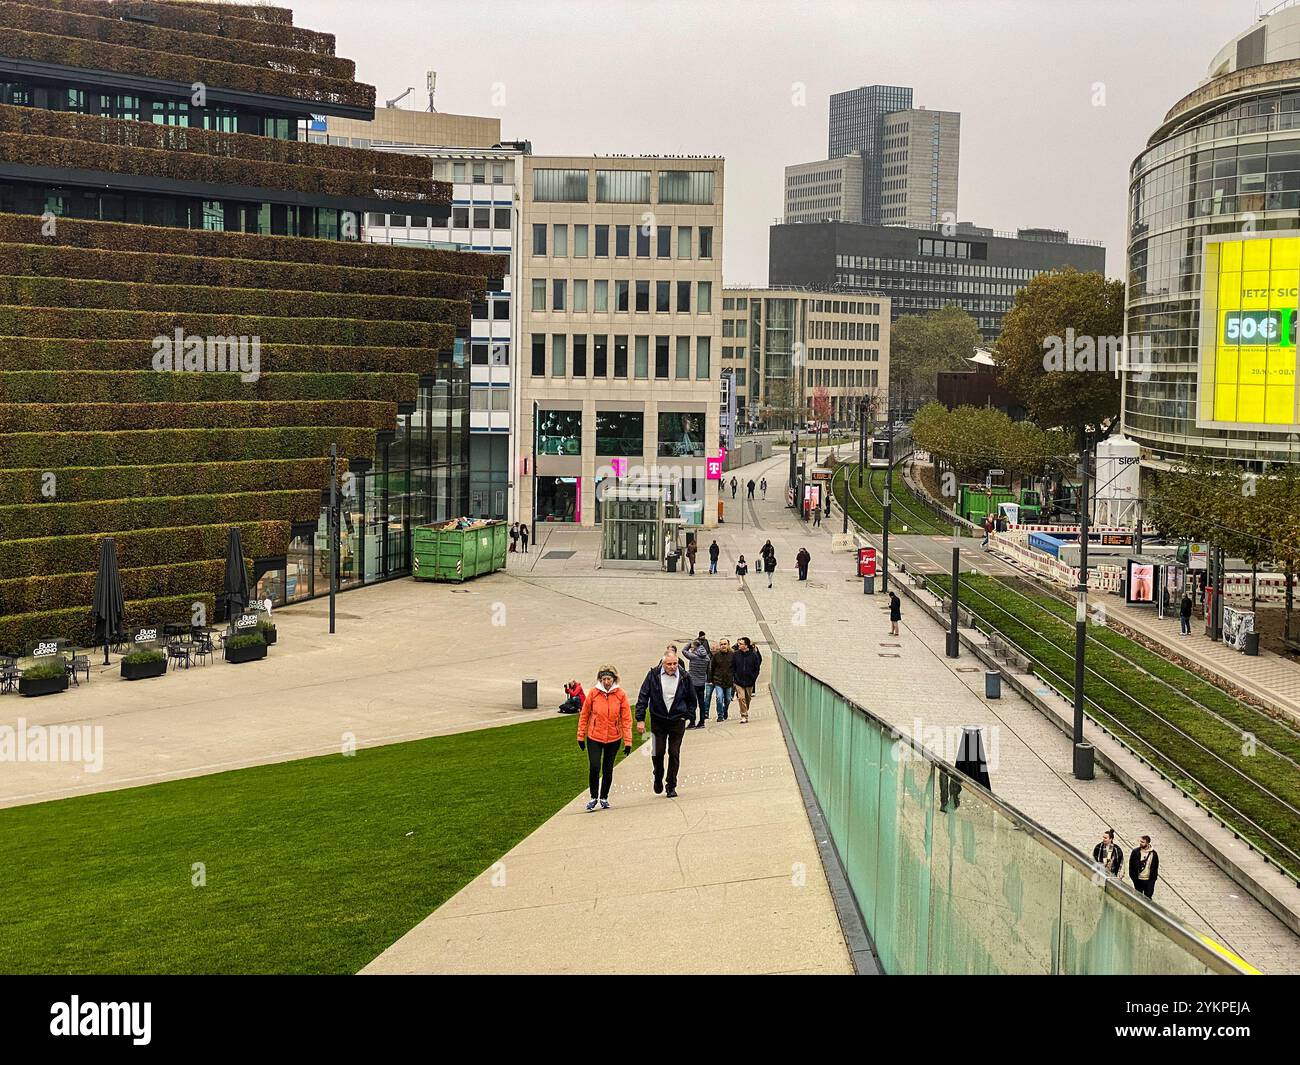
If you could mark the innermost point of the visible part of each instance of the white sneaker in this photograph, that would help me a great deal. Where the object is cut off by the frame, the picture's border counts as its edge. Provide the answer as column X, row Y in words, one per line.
column 604, row 804
column 591, row 805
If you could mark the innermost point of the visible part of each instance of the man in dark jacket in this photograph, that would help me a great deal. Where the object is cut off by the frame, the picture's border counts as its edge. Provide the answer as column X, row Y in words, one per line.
column 698, row 663
column 1185, row 615
column 1144, row 867
column 1108, row 854
column 669, row 697
column 721, row 679
column 745, row 665
column 895, row 613
column 801, row 560
column 714, row 551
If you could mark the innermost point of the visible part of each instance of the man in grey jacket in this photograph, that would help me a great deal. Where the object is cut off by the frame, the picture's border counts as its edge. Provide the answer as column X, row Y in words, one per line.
column 698, row 660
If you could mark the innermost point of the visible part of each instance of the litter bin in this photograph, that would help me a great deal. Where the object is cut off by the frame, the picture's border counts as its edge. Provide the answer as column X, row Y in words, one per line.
column 992, row 684
column 671, row 559
column 1083, row 761
column 1252, row 643
column 868, row 585
column 530, row 693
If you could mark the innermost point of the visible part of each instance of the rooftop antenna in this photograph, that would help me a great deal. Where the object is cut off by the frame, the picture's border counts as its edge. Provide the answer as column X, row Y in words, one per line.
column 431, row 82
column 398, row 99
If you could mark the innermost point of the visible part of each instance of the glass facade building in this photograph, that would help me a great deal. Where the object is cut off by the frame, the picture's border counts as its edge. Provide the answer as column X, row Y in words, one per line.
column 857, row 123
column 1227, row 163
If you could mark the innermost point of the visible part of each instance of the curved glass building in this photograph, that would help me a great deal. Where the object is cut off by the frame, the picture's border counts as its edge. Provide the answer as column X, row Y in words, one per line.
column 1214, row 261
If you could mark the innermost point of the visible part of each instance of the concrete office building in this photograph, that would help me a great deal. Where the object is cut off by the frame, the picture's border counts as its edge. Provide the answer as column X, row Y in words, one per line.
column 784, row 345
column 825, row 190
column 923, row 270
column 918, row 168
column 1213, row 254
column 468, row 152
column 620, row 282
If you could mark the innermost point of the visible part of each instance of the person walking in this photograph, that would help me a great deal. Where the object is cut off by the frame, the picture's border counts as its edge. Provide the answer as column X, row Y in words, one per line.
column 523, row 537
column 734, row 485
column 604, row 725
column 714, row 551
column 749, row 488
column 801, row 560
column 690, row 555
column 769, row 561
column 817, row 517
column 742, row 568
column 514, row 537
column 1185, row 615
column 670, row 701
column 762, row 485
column 988, row 528
column 1107, row 854
column 698, row 662
column 895, row 613
column 722, row 677
column 746, row 663
column 1144, row 867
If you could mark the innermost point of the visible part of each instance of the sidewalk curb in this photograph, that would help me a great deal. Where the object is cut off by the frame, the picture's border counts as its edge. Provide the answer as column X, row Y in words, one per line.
column 1128, row 777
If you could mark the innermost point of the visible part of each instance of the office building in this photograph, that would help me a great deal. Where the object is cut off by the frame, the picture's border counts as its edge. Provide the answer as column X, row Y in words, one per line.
column 918, row 168
column 828, row 190
column 922, row 270
column 131, row 247
column 620, row 289
column 467, row 152
column 796, row 354
column 1213, row 248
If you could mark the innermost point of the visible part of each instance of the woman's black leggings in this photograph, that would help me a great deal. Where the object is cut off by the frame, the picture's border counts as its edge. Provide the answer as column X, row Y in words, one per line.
column 600, row 757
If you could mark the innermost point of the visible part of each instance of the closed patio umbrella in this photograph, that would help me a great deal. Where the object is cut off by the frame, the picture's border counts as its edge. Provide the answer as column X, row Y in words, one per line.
column 235, row 593
column 110, row 605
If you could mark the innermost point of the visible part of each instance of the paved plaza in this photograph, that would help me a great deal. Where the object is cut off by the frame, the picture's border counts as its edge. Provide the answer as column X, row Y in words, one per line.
column 733, row 858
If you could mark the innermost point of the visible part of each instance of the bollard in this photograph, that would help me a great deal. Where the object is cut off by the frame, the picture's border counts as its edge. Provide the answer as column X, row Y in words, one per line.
column 530, row 693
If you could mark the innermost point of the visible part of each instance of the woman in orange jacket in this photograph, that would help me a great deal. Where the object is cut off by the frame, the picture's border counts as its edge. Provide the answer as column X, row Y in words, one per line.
column 604, row 723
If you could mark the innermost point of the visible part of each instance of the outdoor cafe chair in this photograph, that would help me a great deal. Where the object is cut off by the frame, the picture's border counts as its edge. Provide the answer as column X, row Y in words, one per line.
column 201, row 651
column 75, row 664
column 179, row 653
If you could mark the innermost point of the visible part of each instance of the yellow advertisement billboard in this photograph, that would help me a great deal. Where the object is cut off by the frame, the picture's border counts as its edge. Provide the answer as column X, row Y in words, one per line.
column 1250, row 298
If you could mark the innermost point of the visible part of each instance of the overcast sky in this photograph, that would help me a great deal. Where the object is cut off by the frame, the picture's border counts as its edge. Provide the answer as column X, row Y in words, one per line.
column 724, row 77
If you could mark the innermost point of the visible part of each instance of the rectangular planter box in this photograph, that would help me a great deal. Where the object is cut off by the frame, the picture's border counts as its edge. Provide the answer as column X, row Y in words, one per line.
column 246, row 654
column 141, row 670
column 269, row 635
column 45, row 686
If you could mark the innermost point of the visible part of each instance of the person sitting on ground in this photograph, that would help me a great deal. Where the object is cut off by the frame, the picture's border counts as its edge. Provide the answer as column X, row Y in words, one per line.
column 574, row 696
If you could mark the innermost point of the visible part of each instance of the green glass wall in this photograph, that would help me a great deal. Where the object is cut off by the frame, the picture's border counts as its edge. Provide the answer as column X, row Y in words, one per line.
column 948, row 878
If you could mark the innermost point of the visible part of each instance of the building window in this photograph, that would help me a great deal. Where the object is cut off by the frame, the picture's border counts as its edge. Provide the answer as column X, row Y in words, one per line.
column 664, row 242
column 683, row 297
column 622, row 186
column 683, row 242
column 539, row 238
column 602, row 242
column 559, row 357
column 600, row 355
column 642, row 366
column 501, row 310
column 663, row 296
column 686, row 186
column 702, row 346
column 620, row 357
column 620, row 296
column 482, row 218
column 560, row 241
column 661, row 358
column 704, row 297
column 480, row 173
column 557, row 499
column 579, row 241
column 498, row 173
column 643, row 297
column 580, row 295
column 642, row 242
column 681, row 435
column 620, row 432
column 502, row 218
column 539, row 354
column 706, row 242
column 622, row 241
column 601, row 296
column 560, row 186
column 459, row 218
column 557, row 294
column 683, row 358
column 539, row 293
column 459, row 173
column 580, row 355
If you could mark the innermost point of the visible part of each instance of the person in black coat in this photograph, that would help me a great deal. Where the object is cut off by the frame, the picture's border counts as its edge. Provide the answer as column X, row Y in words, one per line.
column 767, row 554
column 746, row 662
column 1185, row 615
column 1144, row 867
column 895, row 613
column 801, row 560
column 714, row 551
column 1108, row 854
column 668, row 696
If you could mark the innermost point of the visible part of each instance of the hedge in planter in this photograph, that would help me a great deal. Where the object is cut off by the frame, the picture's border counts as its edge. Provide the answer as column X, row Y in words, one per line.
column 110, row 417
column 123, row 236
column 153, row 386
column 148, row 547
column 248, row 647
column 20, row 632
column 24, row 595
column 139, row 665
column 82, row 483
column 44, row 677
column 228, row 23
column 51, row 450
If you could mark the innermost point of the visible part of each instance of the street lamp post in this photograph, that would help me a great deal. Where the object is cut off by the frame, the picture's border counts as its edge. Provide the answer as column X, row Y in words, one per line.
column 332, row 525
column 1082, row 751
column 889, row 485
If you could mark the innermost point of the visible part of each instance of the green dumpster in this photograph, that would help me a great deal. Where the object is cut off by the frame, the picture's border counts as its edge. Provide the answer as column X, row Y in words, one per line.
column 445, row 551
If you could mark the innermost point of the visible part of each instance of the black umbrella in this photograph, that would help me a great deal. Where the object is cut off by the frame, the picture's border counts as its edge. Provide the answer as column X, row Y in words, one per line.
column 110, row 605
column 235, row 593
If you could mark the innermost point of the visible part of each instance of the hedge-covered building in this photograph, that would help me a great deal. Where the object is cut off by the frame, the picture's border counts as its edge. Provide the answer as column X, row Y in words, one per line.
column 188, row 318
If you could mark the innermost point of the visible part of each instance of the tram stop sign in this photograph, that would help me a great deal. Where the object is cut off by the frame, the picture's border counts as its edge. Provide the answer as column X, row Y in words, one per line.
column 866, row 561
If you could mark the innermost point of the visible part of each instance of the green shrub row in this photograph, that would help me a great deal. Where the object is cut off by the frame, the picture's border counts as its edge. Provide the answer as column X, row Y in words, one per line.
column 61, row 353
column 194, row 140
column 112, row 417
column 148, row 547
column 27, row 522
column 96, row 55
column 30, row 149
column 152, row 386
column 24, row 595
column 20, row 632
column 133, row 34
column 93, row 323
column 76, row 484
column 223, row 24
column 52, row 260
column 51, row 450
column 165, row 240
column 213, row 299
column 260, row 12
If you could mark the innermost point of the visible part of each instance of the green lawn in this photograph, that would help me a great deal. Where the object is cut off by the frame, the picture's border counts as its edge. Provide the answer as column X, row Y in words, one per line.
column 907, row 514
column 313, row 866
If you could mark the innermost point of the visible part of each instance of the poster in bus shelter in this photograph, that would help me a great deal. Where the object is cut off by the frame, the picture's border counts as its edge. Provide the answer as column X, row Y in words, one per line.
column 1140, row 587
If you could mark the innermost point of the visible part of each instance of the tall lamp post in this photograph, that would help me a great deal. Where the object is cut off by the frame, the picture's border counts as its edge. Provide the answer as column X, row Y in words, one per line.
column 1082, row 751
column 536, row 437
column 889, row 485
column 332, row 525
